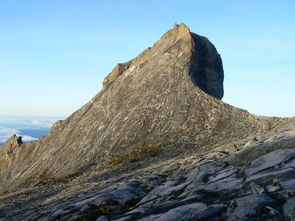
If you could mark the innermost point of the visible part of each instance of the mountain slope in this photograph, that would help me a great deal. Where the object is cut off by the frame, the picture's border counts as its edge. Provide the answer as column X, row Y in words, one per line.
column 256, row 183
column 168, row 97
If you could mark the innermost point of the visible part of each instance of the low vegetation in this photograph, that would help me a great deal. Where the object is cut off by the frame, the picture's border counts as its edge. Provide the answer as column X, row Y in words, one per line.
column 145, row 151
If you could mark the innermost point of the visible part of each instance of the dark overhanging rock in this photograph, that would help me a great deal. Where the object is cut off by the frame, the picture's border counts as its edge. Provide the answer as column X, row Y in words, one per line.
column 206, row 67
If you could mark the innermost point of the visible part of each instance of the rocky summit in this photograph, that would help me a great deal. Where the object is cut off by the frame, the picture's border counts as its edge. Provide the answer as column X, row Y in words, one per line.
column 156, row 143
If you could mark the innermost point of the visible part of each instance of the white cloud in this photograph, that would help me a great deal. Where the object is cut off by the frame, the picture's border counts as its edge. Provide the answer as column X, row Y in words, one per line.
column 6, row 134
column 28, row 129
column 26, row 138
column 43, row 124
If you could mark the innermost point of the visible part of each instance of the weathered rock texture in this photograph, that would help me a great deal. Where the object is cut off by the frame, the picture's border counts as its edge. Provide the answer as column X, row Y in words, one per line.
column 152, row 109
column 205, row 69
column 262, row 187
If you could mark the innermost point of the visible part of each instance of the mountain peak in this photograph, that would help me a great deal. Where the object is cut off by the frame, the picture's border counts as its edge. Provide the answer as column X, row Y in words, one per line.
column 148, row 147
column 163, row 100
column 179, row 29
column 206, row 69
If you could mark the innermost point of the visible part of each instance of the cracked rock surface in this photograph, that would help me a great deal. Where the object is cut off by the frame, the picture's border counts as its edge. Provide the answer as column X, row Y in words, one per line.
column 157, row 143
column 188, row 188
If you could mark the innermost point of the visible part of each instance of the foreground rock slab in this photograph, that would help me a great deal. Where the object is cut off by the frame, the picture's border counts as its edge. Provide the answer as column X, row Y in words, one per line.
column 190, row 188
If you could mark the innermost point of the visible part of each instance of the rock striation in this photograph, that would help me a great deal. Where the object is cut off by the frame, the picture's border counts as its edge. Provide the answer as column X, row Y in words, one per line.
column 261, row 187
column 206, row 70
column 155, row 144
column 156, row 99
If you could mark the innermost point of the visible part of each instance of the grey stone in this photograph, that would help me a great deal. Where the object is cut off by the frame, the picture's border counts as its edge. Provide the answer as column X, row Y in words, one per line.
column 102, row 218
column 289, row 209
column 289, row 184
column 246, row 156
column 273, row 188
column 139, row 210
column 270, row 160
column 121, row 196
column 195, row 211
column 175, row 191
column 273, row 212
column 266, row 177
column 125, row 218
column 249, row 206
column 88, row 207
column 225, row 186
column 289, row 164
column 151, row 217
column 256, row 189
column 202, row 173
column 229, row 171
column 59, row 212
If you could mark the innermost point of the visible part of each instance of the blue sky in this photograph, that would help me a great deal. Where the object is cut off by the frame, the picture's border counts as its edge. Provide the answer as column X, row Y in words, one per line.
column 54, row 54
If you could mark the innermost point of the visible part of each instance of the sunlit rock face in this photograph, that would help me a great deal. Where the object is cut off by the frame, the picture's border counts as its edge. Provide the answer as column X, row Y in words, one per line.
column 157, row 143
column 206, row 69
column 167, row 97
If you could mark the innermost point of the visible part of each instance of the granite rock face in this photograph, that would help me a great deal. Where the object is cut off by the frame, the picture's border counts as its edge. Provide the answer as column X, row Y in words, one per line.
column 190, row 188
column 156, row 99
column 206, row 70
column 145, row 139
